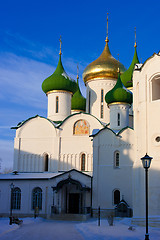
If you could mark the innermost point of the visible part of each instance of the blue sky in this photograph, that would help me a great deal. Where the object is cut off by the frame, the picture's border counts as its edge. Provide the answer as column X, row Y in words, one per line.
column 29, row 47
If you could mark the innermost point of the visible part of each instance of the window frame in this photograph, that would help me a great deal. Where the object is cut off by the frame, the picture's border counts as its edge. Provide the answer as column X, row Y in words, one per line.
column 37, row 202
column 89, row 102
column 46, row 162
column 102, row 104
column 116, row 159
column 57, row 104
column 83, row 162
column 115, row 201
column 118, row 119
column 155, row 85
column 16, row 198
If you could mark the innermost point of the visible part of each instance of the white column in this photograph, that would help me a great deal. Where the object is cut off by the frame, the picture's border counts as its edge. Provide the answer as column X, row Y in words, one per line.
column 59, row 105
column 119, row 115
column 95, row 87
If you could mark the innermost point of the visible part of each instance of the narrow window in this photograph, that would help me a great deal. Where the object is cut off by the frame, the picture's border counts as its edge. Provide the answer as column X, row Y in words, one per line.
column 116, row 159
column 83, row 156
column 118, row 119
column 116, row 196
column 89, row 102
column 16, row 198
column 102, row 94
column 46, row 162
column 37, row 198
column 102, row 100
column 57, row 104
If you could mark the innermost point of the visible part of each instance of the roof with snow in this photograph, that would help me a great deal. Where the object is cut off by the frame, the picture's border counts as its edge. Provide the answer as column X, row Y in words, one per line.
column 37, row 176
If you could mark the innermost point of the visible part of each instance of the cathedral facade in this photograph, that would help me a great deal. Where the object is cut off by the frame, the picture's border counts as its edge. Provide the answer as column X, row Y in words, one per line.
column 86, row 153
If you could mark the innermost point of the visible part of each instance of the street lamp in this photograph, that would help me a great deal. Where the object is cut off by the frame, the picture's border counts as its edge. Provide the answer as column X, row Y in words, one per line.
column 11, row 205
column 146, row 161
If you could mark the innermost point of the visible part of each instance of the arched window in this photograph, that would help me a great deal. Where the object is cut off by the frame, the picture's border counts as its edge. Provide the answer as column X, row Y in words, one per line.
column 116, row 159
column 118, row 119
column 16, row 198
column 57, row 104
column 37, row 198
column 46, row 162
column 83, row 162
column 116, row 196
column 102, row 100
column 156, row 88
column 81, row 127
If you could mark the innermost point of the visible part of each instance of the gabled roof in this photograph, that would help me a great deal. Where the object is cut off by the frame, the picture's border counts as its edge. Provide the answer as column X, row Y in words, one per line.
column 39, row 176
column 56, row 124
column 20, row 124
column 77, row 114
column 115, row 133
column 154, row 54
column 69, row 180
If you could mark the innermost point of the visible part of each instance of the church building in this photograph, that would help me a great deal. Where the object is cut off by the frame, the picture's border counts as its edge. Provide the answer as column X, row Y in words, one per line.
column 86, row 153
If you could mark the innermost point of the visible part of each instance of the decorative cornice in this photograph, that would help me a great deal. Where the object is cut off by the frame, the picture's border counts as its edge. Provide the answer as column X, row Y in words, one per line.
column 58, row 91
column 116, row 134
column 23, row 122
column 77, row 110
column 118, row 103
column 81, row 113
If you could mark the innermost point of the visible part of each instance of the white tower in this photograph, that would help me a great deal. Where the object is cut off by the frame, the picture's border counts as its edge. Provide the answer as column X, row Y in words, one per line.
column 59, row 88
column 100, row 76
column 119, row 100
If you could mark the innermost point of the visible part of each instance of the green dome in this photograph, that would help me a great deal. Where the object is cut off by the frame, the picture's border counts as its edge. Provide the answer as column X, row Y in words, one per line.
column 78, row 102
column 59, row 80
column 119, row 93
column 126, row 77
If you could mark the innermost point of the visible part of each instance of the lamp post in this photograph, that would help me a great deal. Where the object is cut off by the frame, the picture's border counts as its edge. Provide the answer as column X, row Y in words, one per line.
column 146, row 161
column 11, row 204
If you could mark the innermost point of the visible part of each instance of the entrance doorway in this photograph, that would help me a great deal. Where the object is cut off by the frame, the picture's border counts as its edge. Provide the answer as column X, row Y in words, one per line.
column 74, row 199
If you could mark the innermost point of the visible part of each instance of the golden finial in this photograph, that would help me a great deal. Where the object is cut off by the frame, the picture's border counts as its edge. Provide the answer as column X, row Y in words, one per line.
column 77, row 73
column 118, row 57
column 135, row 44
column 118, row 64
column 60, row 52
column 107, row 40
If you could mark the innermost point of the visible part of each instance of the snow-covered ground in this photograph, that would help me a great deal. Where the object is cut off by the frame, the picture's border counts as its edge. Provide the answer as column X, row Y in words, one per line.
column 42, row 229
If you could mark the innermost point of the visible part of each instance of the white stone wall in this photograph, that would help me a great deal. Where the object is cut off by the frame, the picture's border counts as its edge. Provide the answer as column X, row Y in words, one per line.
column 64, row 105
column 107, row 177
column 73, row 146
column 146, row 124
column 95, row 86
column 123, row 110
column 38, row 137
column 27, row 185
column 35, row 138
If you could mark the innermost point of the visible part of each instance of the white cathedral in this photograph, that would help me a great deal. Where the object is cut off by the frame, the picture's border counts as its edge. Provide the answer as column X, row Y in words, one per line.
column 87, row 153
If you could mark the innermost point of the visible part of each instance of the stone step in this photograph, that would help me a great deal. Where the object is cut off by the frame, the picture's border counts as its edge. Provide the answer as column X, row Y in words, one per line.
column 70, row 217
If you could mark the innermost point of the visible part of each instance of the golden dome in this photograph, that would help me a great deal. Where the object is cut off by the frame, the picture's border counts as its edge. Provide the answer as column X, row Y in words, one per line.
column 106, row 66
